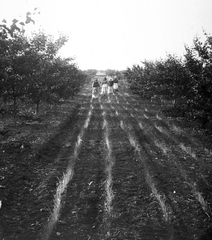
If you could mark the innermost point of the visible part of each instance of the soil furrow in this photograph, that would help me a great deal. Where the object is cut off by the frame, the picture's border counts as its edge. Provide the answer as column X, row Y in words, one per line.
column 189, row 201
column 118, row 169
column 64, row 180
column 132, row 201
column 82, row 215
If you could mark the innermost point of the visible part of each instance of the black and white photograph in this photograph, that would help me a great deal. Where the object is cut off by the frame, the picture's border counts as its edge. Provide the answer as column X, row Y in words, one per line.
column 106, row 120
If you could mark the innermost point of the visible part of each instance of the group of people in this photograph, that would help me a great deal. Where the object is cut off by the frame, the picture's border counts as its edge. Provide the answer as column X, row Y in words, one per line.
column 107, row 86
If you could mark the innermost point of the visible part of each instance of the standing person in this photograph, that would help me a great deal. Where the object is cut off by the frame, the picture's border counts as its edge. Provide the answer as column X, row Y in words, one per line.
column 95, row 86
column 110, row 86
column 115, row 85
column 104, row 86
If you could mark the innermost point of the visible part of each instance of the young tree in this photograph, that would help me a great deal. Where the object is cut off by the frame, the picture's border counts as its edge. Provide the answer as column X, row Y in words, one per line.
column 43, row 50
column 199, row 65
column 12, row 48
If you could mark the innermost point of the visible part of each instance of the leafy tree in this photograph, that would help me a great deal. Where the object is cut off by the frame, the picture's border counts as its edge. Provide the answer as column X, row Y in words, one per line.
column 90, row 73
column 199, row 65
column 12, row 47
column 42, row 53
column 187, row 82
column 111, row 72
column 30, row 69
column 66, row 80
column 12, row 81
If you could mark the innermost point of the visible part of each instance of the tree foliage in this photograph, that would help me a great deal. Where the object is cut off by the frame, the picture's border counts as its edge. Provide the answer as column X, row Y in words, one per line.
column 187, row 81
column 30, row 68
column 90, row 73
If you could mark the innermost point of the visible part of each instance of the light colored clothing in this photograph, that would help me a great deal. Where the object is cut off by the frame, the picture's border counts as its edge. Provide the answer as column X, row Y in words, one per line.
column 115, row 86
column 95, row 92
column 110, row 89
column 104, row 88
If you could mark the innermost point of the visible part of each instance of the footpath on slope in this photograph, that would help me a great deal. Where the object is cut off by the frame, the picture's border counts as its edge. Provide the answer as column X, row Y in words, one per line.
column 121, row 170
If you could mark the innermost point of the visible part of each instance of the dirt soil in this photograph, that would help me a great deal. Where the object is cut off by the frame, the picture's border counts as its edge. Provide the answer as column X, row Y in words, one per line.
column 111, row 167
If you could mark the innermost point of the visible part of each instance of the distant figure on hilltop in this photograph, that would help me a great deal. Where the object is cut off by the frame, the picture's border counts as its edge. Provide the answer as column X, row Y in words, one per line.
column 95, row 90
column 104, row 86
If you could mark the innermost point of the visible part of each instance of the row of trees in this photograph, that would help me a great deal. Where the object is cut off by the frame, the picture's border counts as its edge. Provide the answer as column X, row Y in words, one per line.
column 91, row 73
column 186, row 81
column 31, row 69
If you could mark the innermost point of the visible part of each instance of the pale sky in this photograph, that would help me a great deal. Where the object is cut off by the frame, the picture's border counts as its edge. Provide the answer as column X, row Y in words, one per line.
column 115, row 34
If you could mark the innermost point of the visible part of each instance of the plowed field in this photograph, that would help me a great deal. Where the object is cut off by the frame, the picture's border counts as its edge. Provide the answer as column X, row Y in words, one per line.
column 123, row 170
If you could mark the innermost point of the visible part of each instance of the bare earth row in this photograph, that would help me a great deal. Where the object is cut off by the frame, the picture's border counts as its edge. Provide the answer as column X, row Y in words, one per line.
column 129, row 173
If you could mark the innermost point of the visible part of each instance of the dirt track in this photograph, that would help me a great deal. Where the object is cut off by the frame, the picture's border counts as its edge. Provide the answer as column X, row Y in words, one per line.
column 124, row 171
